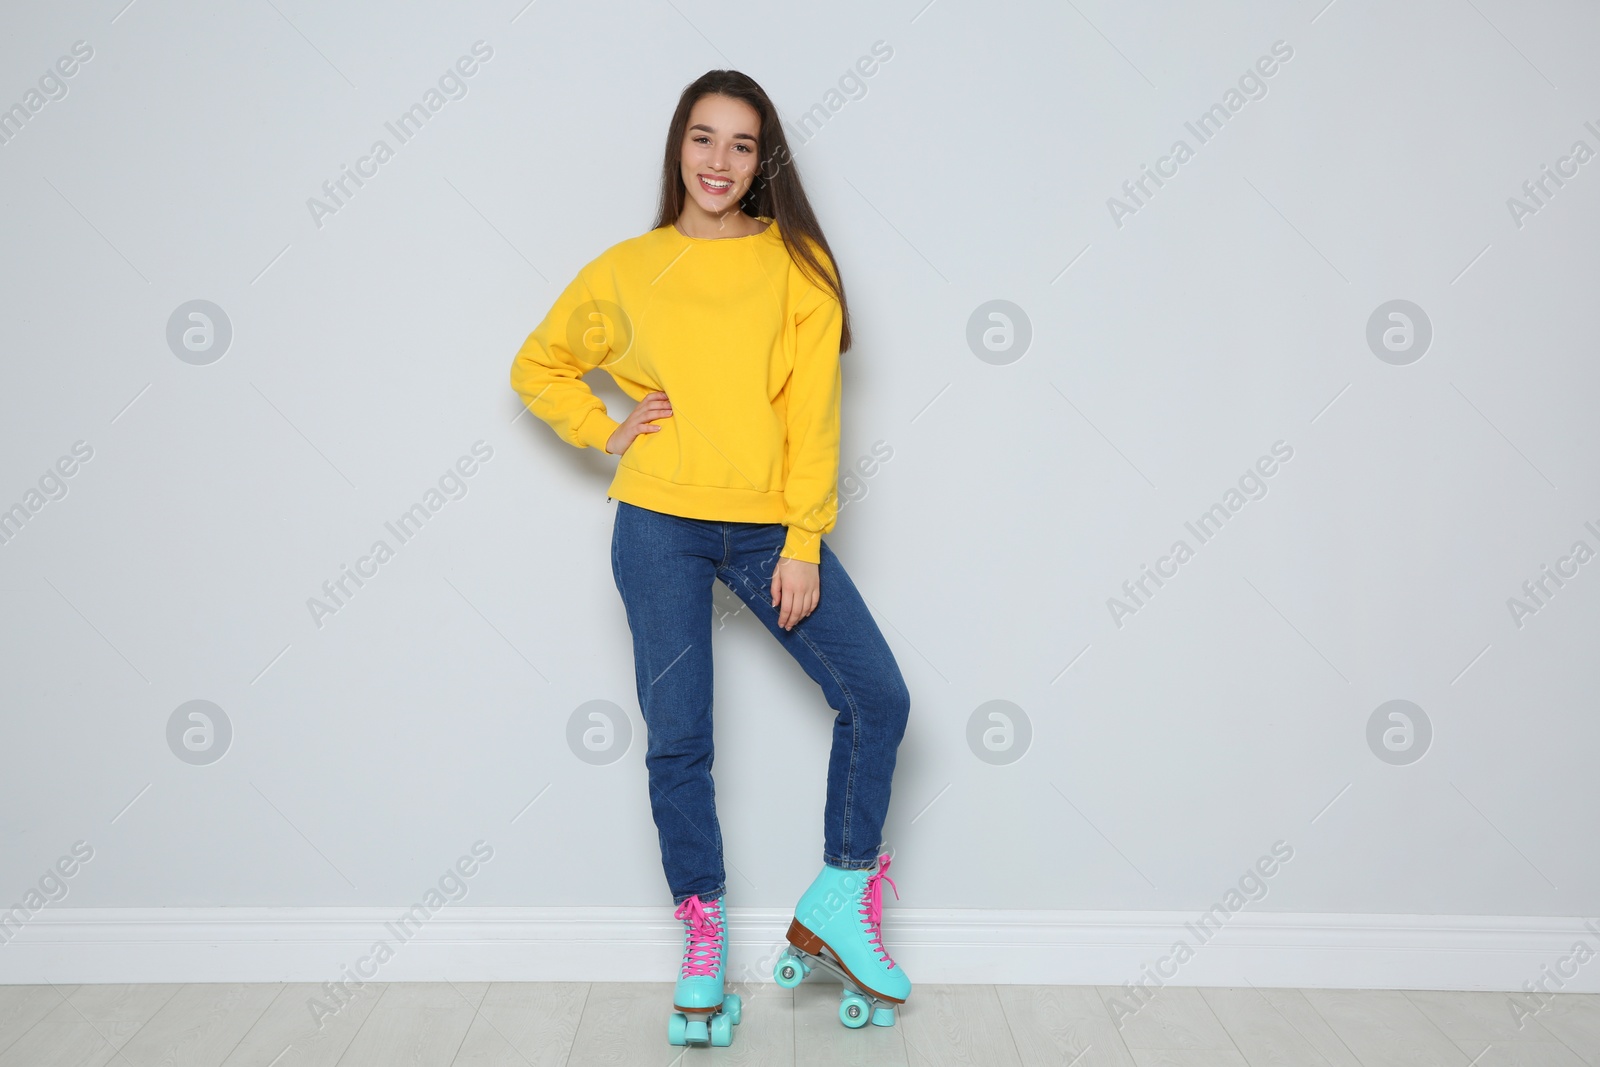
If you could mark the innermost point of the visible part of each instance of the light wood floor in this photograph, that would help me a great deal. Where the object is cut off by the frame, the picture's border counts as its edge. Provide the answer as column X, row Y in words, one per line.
column 468, row 1024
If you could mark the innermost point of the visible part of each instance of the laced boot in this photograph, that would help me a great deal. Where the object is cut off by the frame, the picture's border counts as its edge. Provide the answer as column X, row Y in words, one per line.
column 703, row 1013
column 838, row 925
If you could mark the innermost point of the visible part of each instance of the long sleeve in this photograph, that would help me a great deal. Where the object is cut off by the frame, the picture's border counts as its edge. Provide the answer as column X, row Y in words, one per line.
column 810, row 494
column 548, row 374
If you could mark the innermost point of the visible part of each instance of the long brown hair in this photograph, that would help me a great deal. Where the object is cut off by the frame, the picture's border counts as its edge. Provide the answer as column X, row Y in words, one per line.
column 775, row 191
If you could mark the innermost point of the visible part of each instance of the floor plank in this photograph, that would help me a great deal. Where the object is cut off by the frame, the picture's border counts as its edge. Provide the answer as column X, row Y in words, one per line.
column 1480, row 1017
column 1174, row 1017
column 524, row 1024
column 87, row 1027
column 200, row 1024
column 1575, row 1019
column 626, row 1023
column 294, row 1032
column 1264, row 1035
column 1520, row 1054
column 560, row 1024
column 419, row 1024
column 1060, row 1025
column 1384, row 1029
column 1294, row 1007
column 820, row 1038
column 950, row 1025
column 1188, row 1057
column 21, row 1006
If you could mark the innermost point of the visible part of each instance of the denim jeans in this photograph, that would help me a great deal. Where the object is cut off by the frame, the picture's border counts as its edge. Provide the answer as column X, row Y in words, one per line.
column 664, row 566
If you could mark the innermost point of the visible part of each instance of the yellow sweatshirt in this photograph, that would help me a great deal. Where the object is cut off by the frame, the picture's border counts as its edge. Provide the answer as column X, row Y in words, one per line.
column 745, row 346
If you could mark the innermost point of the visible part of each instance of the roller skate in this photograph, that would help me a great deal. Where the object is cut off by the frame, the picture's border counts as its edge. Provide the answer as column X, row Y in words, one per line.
column 838, row 926
column 703, row 1014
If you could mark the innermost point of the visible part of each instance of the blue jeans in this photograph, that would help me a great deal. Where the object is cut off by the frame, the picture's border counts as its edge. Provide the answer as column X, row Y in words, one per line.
column 664, row 566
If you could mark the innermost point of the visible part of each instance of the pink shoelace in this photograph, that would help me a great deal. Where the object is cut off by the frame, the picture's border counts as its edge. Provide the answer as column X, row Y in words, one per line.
column 873, row 912
column 704, row 950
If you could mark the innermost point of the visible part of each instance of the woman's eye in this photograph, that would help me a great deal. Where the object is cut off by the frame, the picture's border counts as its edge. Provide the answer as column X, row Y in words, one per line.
column 703, row 139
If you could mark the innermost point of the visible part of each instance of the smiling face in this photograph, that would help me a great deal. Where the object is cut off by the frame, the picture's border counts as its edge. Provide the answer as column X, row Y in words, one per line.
column 719, row 154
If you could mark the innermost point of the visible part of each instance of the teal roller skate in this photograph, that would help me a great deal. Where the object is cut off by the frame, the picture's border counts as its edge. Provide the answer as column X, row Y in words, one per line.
column 703, row 1014
column 838, row 926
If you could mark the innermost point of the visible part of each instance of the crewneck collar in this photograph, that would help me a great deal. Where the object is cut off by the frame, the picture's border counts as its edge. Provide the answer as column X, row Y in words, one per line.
column 772, row 225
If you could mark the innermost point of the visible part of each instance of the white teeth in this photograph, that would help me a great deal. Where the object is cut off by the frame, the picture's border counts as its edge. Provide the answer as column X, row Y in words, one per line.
column 716, row 184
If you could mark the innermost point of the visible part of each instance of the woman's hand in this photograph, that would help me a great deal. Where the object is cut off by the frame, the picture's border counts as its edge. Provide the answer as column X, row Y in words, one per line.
column 653, row 406
column 796, row 587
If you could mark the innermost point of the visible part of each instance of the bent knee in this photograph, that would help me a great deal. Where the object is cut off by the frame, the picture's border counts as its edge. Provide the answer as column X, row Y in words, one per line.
column 890, row 700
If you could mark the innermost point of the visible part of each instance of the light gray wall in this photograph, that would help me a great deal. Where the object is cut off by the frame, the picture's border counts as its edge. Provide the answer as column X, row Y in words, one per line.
column 1172, row 350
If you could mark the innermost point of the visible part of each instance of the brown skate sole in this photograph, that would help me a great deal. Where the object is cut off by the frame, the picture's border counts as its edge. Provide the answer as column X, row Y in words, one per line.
column 801, row 937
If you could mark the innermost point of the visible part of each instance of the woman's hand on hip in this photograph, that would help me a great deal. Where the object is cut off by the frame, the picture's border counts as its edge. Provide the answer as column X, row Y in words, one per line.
column 654, row 406
column 796, row 588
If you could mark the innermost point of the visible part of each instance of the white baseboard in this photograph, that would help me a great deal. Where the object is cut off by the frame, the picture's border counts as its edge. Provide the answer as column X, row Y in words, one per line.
column 1328, row 951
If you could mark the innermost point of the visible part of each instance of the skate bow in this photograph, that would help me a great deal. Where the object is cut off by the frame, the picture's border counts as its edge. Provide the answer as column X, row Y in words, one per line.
column 874, row 909
column 705, row 945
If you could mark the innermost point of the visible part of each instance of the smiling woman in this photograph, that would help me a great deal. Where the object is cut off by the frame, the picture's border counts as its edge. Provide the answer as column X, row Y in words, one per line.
column 718, row 165
column 725, row 323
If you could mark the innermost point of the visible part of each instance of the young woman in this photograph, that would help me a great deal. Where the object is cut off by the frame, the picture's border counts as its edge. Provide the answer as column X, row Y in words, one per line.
column 725, row 323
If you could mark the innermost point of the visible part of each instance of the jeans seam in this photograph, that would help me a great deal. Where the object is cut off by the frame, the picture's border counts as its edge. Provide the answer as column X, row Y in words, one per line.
column 616, row 568
column 814, row 651
column 855, row 723
column 652, row 790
